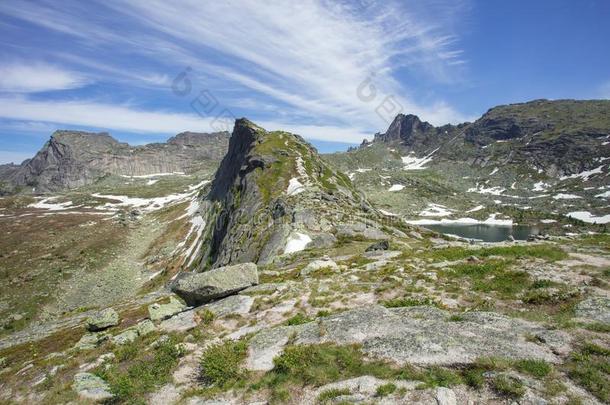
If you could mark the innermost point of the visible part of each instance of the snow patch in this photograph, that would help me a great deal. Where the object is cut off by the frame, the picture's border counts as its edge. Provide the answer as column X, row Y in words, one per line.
column 475, row 209
column 603, row 195
column 435, row 210
column 47, row 204
column 548, row 221
column 295, row 187
column 396, row 187
column 463, row 221
column 494, row 171
column 412, row 162
column 562, row 196
column 148, row 176
column 481, row 189
column 584, row 175
column 540, row 186
column 297, row 242
column 586, row 216
column 151, row 182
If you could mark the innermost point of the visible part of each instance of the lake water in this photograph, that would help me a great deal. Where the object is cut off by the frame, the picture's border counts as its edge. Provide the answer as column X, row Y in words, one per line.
column 484, row 232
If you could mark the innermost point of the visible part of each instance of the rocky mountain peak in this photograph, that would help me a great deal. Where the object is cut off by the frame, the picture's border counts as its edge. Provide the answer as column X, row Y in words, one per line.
column 189, row 138
column 405, row 128
column 273, row 193
column 242, row 142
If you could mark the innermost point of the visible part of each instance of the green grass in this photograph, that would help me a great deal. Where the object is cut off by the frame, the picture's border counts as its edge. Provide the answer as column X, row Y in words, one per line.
column 409, row 302
column 385, row 390
column 492, row 275
column 590, row 368
column 536, row 368
column 508, row 386
column 329, row 395
column 547, row 252
column 431, row 376
column 598, row 327
column 140, row 372
column 221, row 364
column 298, row 319
column 322, row 364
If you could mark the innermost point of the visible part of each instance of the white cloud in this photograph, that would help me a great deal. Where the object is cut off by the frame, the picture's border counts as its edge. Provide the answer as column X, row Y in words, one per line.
column 127, row 118
column 31, row 77
column 310, row 55
column 100, row 115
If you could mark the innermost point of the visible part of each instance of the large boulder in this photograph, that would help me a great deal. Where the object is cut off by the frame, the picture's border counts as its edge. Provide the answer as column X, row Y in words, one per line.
column 131, row 334
column 91, row 387
column 102, row 320
column 201, row 288
column 381, row 245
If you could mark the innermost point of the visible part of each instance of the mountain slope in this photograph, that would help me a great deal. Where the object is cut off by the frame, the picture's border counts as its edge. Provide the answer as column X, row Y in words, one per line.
column 272, row 194
column 527, row 160
column 72, row 159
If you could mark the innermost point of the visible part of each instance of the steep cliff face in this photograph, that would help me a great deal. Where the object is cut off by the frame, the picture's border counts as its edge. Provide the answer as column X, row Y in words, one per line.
column 271, row 195
column 73, row 159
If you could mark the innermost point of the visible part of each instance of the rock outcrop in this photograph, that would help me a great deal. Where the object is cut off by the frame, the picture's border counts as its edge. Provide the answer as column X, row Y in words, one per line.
column 560, row 137
column 273, row 195
column 103, row 320
column 201, row 288
column 415, row 335
column 72, row 159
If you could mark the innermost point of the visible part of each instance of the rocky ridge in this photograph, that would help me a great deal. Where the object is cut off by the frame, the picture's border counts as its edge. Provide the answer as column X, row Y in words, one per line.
column 72, row 159
column 273, row 194
column 527, row 161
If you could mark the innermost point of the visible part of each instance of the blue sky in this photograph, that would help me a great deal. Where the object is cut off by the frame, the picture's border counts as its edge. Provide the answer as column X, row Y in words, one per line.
column 334, row 72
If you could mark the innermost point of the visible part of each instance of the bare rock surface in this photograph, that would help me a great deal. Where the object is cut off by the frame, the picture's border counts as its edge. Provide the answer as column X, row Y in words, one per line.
column 201, row 288
column 417, row 335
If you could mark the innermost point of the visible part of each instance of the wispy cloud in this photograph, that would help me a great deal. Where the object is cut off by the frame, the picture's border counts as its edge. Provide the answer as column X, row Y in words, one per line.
column 21, row 77
column 305, row 59
column 311, row 54
column 127, row 118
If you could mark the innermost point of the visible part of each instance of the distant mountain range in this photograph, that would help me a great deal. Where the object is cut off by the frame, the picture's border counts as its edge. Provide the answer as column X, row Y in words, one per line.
column 72, row 159
column 541, row 156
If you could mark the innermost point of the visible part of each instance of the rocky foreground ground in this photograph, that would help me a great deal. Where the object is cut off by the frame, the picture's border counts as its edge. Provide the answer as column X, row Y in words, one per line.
column 426, row 320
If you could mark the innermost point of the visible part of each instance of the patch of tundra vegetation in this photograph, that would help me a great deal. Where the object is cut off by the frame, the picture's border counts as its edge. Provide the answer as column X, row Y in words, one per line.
column 542, row 283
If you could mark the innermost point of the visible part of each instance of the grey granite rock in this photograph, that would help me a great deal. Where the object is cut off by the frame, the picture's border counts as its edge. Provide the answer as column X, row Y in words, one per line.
column 234, row 304
column 595, row 309
column 201, row 288
column 182, row 322
column 103, row 320
column 159, row 312
column 418, row 335
column 91, row 387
